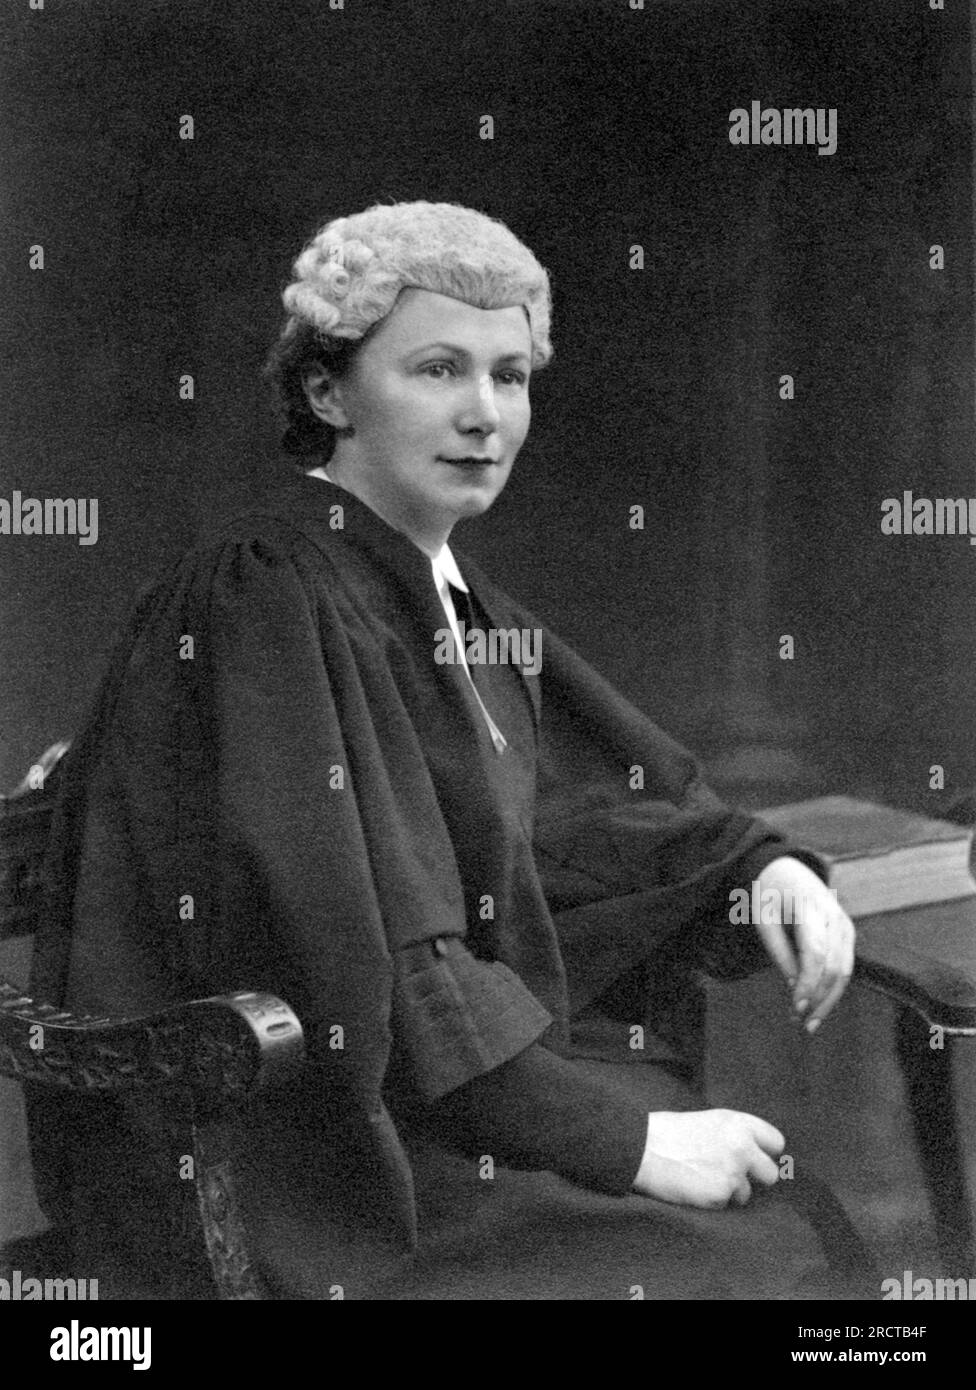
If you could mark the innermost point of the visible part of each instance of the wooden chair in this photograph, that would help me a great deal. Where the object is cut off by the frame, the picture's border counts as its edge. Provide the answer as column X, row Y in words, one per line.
column 205, row 1059
column 202, row 1059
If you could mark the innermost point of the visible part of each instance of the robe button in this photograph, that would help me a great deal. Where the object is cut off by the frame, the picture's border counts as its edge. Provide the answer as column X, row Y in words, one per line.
column 440, row 945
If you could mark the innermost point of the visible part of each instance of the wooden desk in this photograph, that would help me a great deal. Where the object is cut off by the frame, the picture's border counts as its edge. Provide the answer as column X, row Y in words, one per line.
column 884, row 1095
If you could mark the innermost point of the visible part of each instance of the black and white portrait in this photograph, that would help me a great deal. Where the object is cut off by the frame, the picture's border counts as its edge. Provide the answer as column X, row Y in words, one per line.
column 487, row 572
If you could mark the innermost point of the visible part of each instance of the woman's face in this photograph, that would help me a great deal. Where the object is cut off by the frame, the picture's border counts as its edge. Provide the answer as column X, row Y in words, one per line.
column 438, row 399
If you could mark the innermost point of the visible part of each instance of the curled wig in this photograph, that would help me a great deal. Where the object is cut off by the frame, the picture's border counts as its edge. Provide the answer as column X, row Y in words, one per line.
column 348, row 277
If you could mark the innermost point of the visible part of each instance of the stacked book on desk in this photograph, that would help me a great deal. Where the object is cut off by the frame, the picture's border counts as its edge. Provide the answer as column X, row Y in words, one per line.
column 877, row 858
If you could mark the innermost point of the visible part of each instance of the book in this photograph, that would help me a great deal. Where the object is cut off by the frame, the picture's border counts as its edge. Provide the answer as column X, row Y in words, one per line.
column 879, row 858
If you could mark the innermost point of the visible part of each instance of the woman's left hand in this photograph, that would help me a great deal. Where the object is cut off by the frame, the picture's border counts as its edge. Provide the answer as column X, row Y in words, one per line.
column 823, row 937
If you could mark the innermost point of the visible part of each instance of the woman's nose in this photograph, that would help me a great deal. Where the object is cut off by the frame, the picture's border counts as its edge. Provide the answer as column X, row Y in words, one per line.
column 481, row 411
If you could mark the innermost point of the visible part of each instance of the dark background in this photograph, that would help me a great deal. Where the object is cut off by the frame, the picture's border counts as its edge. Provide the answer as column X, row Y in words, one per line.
column 611, row 128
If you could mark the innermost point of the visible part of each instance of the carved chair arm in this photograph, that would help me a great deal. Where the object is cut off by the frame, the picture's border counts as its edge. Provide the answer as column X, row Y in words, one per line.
column 221, row 1050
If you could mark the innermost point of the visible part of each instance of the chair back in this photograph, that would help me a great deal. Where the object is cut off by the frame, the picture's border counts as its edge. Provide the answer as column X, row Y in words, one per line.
column 181, row 1072
column 25, row 822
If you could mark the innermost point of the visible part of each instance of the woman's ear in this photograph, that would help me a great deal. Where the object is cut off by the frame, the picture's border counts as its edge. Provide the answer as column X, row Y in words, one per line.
column 324, row 395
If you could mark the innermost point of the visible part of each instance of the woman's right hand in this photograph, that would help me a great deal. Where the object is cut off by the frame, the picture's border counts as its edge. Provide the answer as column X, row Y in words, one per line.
column 707, row 1158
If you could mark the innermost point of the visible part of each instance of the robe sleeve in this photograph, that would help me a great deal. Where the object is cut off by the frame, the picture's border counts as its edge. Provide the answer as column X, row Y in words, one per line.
column 634, row 850
column 635, row 853
column 535, row 1111
column 542, row 1111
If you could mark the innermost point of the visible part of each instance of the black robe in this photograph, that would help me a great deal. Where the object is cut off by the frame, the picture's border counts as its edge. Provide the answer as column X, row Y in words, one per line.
column 274, row 737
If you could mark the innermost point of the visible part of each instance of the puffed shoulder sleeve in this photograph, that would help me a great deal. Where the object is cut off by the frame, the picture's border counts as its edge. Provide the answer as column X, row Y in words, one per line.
column 290, row 885
column 332, row 846
column 219, row 838
column 252, row 809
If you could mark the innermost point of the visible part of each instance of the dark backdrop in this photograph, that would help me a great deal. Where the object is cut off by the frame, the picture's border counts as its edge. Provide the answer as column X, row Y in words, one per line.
column 166, row 256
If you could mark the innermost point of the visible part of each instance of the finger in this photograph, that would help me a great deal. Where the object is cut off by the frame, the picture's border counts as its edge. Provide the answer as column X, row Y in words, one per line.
column 837, row 972
column 763, row 1169
column 767, row 1136
column 851, row 948
column 811, row 999
column 837, row 969
column 779, row 949
column 845, row 937
column 742, row 1192
column 817, row 1016
column 813, row 956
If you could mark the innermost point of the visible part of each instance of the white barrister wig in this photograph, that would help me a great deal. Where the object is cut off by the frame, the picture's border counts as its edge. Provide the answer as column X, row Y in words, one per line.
column 350, row 273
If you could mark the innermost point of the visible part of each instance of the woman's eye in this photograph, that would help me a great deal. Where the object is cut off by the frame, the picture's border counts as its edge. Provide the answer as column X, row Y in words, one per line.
column 509, row 376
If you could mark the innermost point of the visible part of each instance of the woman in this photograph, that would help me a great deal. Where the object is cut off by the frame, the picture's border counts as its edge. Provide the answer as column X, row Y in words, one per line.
column 451, row 869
